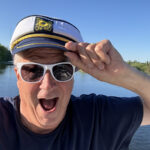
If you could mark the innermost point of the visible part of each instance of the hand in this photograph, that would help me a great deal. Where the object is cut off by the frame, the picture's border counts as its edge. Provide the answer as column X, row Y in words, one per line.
column 101, row 60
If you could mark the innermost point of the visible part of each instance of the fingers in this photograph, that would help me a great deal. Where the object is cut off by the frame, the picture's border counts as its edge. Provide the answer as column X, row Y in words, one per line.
column 90, row 55
column 74, row 46
column 82, row 53
column 96, row 60
column 75, row 60
column 78, row 57
column 102, row 49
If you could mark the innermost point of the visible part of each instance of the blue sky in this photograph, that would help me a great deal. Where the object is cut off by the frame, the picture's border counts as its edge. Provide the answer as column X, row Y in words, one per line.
column 126, row 23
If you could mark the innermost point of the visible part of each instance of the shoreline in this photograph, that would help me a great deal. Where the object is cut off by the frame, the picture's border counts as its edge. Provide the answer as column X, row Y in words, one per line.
column 6, row 62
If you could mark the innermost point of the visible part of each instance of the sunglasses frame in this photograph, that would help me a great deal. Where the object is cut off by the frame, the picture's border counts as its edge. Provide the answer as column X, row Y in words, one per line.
column 46, row 67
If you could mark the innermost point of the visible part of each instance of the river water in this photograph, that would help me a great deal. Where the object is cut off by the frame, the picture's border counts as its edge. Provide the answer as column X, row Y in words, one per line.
column 84, row 84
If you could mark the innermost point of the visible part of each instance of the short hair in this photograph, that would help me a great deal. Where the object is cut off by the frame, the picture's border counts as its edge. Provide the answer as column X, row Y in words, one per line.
column 16, row 58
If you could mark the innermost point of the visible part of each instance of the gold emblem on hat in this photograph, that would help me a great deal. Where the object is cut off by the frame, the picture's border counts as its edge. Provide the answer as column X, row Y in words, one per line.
column 43, row 25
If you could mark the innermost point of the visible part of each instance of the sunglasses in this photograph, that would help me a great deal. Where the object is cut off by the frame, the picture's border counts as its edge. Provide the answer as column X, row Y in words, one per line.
column 34, row 72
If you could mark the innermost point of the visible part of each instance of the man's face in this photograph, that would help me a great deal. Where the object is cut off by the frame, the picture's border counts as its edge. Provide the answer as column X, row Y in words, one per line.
column 36, row 96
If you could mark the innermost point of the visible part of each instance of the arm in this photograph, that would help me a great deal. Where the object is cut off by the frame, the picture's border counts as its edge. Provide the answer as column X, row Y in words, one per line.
column 102, row 61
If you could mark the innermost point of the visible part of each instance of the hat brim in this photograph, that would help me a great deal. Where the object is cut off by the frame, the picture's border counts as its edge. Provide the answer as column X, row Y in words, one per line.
column 39, row 42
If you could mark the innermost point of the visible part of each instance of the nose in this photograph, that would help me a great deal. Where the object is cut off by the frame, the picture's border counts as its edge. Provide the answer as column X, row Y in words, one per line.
column 48, row 81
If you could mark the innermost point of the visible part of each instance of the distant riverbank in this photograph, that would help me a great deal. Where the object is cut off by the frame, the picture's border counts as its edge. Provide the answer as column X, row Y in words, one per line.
column 6, row 62
column 145, row 67
column 5, row 54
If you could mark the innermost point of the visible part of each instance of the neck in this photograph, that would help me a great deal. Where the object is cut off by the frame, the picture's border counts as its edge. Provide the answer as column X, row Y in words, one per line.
column 33, row 127
column 27, row 122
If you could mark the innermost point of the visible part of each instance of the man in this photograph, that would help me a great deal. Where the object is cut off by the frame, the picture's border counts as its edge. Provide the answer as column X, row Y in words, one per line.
column 45, row 116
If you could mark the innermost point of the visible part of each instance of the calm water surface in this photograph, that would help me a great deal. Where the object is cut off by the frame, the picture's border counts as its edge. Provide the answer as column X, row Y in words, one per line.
column 84, row 84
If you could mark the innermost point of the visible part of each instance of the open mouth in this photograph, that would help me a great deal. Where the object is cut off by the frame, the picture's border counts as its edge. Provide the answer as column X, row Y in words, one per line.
column 48, row 104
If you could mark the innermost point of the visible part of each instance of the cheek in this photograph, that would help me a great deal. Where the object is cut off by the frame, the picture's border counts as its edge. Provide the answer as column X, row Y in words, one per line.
column 68, row 88
column 27, row 90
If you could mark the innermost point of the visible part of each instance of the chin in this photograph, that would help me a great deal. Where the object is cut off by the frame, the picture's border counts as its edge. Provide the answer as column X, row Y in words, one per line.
column 49, row 119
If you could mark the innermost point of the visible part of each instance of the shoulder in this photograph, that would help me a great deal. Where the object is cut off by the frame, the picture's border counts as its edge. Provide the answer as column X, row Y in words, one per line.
column 88, row 104
column 84, row 100
column 6, row 101
column 107, row 100
column 108, row 105
column 122, row 115
column 123, row 104
column 87, row 98
column 7, row 104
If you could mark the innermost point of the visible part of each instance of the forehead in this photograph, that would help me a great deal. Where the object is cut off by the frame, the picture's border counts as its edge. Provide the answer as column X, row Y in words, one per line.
column 44, row 55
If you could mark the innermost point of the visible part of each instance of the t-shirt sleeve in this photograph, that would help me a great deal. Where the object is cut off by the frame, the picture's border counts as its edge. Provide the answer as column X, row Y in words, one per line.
column 119, row 117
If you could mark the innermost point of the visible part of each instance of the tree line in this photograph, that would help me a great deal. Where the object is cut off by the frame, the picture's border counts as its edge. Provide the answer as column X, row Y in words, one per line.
column 145, row 66
column 5, row 54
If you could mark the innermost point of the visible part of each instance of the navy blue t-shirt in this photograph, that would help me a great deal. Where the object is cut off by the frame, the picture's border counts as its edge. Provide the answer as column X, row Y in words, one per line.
column 91, row 123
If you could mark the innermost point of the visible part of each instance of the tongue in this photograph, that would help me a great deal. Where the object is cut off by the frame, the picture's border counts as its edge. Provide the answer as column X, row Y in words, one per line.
column 48, row 104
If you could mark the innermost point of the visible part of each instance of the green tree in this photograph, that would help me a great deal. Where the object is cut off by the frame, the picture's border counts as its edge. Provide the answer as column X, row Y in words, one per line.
column 5, row 55
column 145, row 67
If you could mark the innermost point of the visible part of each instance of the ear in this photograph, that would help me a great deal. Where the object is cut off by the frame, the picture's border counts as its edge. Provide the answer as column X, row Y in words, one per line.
column 17, row 73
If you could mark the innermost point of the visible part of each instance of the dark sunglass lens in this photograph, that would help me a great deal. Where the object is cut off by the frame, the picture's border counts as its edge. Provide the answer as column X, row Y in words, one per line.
column 63, row 72
column 32, row 72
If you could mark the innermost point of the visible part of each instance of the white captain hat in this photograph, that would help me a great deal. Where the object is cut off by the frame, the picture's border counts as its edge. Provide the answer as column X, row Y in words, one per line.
column 42, row 31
